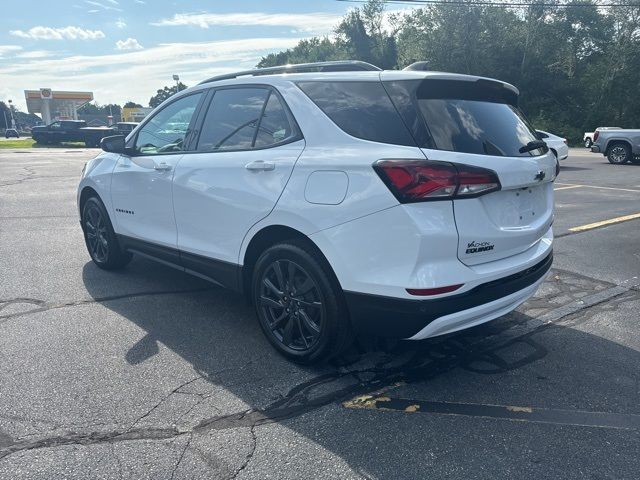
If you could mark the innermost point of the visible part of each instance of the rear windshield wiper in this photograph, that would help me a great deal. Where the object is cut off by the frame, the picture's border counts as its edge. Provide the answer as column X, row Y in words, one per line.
column 532, row 145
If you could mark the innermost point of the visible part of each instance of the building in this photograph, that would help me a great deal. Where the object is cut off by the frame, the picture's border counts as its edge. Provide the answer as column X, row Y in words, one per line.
column 134, row 114
column 56, row 105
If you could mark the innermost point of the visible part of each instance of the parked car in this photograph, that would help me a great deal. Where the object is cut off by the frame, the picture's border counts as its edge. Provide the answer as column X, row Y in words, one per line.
column 619, row 145
column 123, row 128
column 589, row 137
column 326, row 200
column 558, row 145
column 70, row 131
column 11, row 132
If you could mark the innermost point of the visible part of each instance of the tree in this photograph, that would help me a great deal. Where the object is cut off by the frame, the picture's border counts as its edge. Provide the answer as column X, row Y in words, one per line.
column 163, row 93
column 576, row 66
column 131, row 104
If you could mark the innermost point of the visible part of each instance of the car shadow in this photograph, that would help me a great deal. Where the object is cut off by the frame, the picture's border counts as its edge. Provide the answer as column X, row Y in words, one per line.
column 503, row 362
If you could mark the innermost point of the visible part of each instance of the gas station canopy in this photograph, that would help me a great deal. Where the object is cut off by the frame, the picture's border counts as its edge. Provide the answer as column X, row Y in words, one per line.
column 56, row 105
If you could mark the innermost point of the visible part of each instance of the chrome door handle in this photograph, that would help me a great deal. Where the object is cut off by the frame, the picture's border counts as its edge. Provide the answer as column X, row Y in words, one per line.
column 162, row 167
column 260, row 165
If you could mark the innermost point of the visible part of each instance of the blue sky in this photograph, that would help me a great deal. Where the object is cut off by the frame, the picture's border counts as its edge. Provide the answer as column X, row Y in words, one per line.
column 126, row 49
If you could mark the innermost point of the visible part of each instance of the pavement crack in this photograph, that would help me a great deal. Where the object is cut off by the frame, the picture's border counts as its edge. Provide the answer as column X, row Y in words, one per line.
column 91, row 438
column 164, row 399
column 184, row 450
column 42, row 306
column 250, row 453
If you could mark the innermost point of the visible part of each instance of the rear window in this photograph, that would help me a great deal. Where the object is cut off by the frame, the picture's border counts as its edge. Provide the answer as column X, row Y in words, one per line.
column 361, row 109
column 463, row 117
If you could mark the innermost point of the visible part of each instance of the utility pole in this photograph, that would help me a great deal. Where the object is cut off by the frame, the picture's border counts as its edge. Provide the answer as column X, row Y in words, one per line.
column 177, row 79
column 13, row 120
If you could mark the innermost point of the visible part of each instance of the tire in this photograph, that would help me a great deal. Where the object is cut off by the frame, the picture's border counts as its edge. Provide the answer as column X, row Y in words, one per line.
column 619, row 153
column 99, row 237
column 310, row 326
column 588, row 143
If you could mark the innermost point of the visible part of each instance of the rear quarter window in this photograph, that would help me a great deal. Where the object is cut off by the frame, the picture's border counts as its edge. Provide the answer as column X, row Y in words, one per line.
column 361, row 109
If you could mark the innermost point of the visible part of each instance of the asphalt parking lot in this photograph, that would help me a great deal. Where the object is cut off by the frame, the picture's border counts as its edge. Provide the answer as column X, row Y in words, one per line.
column 150, row 373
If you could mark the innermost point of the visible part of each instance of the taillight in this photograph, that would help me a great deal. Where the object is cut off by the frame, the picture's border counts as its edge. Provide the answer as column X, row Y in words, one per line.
column 596, row 135
column 425, row 180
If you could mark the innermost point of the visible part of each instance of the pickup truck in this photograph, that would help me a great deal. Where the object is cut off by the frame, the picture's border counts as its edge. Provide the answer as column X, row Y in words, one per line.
column 619, row 145
column 588, row 137
column 77, row 131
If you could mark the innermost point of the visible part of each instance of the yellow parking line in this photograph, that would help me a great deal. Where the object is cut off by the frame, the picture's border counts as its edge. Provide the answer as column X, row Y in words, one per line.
column 611, row 221
column 567, row 188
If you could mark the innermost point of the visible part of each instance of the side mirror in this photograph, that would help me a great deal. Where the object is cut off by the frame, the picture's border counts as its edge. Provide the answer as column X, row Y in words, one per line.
column 113, row 144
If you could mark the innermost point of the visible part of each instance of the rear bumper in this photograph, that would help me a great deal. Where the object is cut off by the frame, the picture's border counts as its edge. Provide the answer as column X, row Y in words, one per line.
column 417, row 319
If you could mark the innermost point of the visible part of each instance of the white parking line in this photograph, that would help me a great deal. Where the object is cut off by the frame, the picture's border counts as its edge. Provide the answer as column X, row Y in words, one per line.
column 567, row 188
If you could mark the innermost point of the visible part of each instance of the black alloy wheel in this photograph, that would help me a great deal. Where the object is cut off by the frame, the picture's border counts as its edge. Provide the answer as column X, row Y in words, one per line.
column 291, row 304
column 96, row 232
column 299, row 303
column 102, row 243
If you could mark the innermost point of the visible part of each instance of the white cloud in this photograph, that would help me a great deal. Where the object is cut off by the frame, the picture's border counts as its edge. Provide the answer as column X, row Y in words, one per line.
column 128, row 44
column 35, row 54
column 121, row 23
column 66, row 33
column 308, row 22
column 109, row 76
column 104, row 6
column 6, row 49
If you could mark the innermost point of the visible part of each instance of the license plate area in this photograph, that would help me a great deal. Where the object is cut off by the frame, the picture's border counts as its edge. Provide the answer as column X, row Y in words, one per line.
column 517, row 208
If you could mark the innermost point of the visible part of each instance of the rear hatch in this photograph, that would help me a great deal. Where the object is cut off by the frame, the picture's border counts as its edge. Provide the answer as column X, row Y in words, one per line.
column 475, row 121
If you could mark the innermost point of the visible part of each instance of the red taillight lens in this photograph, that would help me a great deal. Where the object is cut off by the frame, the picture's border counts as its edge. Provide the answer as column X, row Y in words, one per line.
column 424, row 180
column 596, row 135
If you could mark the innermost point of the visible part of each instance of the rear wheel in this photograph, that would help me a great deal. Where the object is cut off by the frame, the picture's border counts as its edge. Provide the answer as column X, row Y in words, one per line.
column 619, row 153
column 100, row 238
column 299, row 304
column 588, row 142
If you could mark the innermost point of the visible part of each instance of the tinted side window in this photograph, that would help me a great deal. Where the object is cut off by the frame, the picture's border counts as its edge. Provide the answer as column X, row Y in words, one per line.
column 361, row 109
column 275, row 126
column 166, row 131
column 232, row 119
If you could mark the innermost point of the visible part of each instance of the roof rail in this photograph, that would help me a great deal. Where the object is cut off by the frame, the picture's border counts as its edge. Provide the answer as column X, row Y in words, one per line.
column 336, row 66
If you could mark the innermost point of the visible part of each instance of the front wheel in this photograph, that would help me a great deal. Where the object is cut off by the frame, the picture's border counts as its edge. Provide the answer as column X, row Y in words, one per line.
column 588, row 143
column 619, row 154
column 299, row 304
column 100, row 237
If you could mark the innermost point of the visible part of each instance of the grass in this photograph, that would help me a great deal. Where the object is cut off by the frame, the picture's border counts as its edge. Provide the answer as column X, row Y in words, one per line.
column 17, row 143
column 30, row 143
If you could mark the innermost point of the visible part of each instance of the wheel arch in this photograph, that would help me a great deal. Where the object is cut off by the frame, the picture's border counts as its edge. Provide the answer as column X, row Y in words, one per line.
column 85, row 194
column 268, row 236
column 614, row 141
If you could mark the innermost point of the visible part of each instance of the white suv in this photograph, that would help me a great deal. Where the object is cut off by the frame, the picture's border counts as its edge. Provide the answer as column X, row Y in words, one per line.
column 338, row 197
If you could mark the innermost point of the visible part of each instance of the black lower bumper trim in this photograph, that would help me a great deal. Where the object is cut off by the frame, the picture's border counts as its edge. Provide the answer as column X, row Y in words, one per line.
column 403, row 318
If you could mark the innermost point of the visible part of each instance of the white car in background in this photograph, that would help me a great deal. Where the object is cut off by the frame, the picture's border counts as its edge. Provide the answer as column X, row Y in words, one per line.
column 556, row 144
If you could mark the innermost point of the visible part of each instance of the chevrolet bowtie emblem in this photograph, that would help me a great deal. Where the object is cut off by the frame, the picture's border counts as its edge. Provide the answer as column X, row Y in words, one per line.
column 540, row 176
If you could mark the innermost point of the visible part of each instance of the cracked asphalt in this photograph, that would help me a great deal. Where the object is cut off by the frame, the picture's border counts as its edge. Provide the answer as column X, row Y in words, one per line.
column 150, row 373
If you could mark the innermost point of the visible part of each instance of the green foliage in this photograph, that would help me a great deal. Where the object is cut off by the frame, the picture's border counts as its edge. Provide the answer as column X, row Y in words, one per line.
column 131, row 104
column 163, row 93
column 577, row 68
